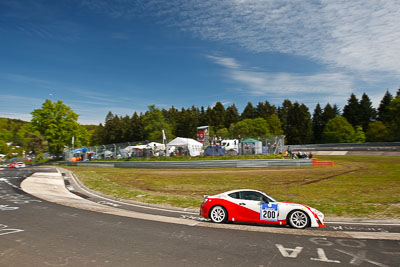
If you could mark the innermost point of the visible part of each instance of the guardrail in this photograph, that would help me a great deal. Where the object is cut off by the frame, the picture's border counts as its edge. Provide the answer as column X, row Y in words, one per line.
column 200, row 164
column 378, row 146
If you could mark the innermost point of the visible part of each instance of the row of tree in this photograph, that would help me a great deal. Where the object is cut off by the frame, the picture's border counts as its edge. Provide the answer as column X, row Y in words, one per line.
column 358, row 122
column 54, row 126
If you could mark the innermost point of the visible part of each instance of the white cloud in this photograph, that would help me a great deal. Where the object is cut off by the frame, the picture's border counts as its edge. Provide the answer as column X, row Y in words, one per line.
column 260, row 83
column 225, row 61
column 321, row 87
column 360, row 36
column 25, row 105
column 24, row 79
column 14, row 115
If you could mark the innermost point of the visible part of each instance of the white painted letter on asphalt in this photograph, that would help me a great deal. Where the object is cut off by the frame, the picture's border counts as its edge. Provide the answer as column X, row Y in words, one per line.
column 360, row 257
column 322, row 241
column 4, row 230
column 289, row 252
column 322, row 257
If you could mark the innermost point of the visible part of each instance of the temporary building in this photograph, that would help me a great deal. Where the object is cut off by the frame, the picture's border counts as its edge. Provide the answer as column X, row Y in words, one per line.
column 192, row 146
column 251, row 146
column 156, row 146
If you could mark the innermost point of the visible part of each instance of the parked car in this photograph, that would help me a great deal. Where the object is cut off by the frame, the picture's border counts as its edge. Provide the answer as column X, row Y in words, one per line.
column 253, row 206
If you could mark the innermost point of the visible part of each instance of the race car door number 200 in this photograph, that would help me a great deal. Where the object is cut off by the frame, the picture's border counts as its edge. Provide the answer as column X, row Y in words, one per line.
column 269, row 212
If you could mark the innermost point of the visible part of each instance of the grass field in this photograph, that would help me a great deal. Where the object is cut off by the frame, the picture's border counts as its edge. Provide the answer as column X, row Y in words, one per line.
column 357, row 186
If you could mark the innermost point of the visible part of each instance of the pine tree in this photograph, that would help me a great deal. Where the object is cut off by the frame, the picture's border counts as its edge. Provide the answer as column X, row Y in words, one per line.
column 299, row 129
column 329, row 113
column 317, row 124
column 219, row 115
column 126, row 130
column 209, row 116
column 283, row 114
column 249, row 112
column 336, row 110
column 112, row 130
column 264, row 110
column 171, row 116
column 183, row 124
column 352, row 112
column 203, row 118
column 137, row 128
column 383, row 109
column 367, row 112
column 110, row 116
column 232, row 116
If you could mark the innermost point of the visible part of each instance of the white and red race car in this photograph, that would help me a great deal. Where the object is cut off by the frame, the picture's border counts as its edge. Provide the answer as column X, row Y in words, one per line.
column 253, row 206
column 17, row 165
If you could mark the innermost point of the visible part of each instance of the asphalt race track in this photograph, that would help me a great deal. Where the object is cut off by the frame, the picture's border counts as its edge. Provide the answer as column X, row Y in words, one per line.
column 36, row 232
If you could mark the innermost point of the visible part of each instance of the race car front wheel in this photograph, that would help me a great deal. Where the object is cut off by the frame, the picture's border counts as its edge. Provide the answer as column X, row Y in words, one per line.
column 298, row 219
column 218, row 214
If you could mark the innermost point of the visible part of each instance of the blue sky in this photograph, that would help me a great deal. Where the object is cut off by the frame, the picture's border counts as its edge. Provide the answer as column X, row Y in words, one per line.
column 121, row 55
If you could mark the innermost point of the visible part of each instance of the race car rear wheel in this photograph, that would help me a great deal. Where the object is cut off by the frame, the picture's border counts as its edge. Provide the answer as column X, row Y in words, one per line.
column 298, row 219
column 218, row 214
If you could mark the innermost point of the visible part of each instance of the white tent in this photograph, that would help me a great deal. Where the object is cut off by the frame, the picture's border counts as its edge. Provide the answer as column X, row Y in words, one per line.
column 156, row 146
column 189, row 144
column 129, row 149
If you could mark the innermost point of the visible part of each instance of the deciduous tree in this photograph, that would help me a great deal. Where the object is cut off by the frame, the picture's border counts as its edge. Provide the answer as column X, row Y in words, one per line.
column 154, row 122
column 394, row 125
column 377, row 132
column 58, row 123
column 250, row 128
column 338, row 130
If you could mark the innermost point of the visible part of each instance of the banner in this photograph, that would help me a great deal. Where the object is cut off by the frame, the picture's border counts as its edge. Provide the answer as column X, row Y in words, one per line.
column 203, row 135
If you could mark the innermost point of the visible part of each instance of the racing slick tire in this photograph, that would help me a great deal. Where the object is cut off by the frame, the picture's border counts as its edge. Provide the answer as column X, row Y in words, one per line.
column 298, row 219
column 218, row 214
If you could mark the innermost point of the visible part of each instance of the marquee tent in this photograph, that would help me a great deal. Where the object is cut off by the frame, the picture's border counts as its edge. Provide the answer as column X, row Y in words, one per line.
column 192, row 146
column 156, row 146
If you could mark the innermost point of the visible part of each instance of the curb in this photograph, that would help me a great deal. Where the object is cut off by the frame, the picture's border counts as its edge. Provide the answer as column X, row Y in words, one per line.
column 127, row 201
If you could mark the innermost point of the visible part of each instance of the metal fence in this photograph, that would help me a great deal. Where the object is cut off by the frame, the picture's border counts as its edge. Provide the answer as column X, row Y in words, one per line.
column 267, row 145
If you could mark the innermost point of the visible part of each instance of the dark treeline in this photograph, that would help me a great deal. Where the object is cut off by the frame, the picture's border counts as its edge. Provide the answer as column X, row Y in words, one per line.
column 358, row 122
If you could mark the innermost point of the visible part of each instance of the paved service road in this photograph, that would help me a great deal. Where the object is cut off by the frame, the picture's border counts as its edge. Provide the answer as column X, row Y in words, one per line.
column 34, row 232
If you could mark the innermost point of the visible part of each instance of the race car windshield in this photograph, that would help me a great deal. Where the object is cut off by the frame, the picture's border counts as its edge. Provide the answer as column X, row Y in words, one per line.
column 254, row 196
